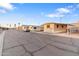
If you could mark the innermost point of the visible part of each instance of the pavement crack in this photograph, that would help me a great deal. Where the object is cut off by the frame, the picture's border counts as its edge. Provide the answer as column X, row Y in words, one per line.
column 27, row 50
column 11, row 47
column 63, row 49
column 39, row 49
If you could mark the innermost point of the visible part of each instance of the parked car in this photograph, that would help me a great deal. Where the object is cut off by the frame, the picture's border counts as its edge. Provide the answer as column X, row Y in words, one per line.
column 26, row 30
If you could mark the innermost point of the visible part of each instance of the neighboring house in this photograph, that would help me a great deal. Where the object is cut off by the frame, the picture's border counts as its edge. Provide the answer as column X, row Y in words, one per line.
column 74, row 27
column 29, row 27
column 21, row 28
column 8, row 26
column 55, row 27
column 25, row 27
column 37, row 28
column 34, row 28
column 47, row 27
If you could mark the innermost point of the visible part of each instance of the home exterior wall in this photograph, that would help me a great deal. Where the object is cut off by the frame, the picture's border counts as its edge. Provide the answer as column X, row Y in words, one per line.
column 38, row 28
column 24, row 28
column 53, row 28
column 21, row 28
column 31, row 28
column 60, row 28
column 9, row 26
column 42, row 28
column 50, row 29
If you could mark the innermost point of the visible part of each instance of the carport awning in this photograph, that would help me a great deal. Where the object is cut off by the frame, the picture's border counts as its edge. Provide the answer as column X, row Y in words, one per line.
column 73, row 27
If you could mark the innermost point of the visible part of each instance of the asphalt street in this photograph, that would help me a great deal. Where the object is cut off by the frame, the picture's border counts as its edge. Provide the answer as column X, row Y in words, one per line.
column 19, row 43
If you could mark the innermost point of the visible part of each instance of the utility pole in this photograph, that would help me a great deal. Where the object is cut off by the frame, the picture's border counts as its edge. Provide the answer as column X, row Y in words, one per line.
column 21, row 22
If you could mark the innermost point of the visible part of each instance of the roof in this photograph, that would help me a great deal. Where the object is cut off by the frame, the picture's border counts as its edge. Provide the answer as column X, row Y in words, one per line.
column 56, row 23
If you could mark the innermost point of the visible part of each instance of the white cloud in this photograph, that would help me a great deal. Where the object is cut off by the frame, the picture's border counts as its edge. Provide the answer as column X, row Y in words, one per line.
column 55, row 15
column 60, row 12
column 6, row 7
column 63, row 10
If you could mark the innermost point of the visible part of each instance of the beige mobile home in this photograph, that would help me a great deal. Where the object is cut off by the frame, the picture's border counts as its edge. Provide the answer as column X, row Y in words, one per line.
column 55, row 27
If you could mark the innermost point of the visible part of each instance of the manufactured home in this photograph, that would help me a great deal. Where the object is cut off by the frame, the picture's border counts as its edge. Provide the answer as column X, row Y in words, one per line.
column 55, row 27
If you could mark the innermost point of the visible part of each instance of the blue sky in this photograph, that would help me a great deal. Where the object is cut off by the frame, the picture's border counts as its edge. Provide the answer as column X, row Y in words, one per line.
column 38, row 13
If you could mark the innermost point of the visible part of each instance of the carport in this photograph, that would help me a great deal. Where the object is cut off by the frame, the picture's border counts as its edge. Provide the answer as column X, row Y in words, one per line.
column 73, row 29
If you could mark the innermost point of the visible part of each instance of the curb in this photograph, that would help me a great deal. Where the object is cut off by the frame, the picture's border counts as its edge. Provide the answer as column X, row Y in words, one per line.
column 61, row 35
column 1, row 42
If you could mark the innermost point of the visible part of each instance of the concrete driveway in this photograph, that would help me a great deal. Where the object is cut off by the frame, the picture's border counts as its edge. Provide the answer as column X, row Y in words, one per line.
column 18, row 43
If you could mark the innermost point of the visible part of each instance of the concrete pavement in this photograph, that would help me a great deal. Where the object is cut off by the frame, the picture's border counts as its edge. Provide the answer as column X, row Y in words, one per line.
column 18, row 43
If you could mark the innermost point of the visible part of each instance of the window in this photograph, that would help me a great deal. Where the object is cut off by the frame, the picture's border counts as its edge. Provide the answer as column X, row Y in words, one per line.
column 48, row 26
column 57, row 26
column 62, row 26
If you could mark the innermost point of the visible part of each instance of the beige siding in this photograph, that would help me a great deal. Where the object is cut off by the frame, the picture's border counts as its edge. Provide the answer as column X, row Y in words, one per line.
column 22, row 28
column 19, row 28
column 53, row 28
column 50, row 29
column 60, row 28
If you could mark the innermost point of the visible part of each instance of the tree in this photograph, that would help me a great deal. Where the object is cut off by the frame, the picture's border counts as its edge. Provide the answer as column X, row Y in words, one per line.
column 19, row 23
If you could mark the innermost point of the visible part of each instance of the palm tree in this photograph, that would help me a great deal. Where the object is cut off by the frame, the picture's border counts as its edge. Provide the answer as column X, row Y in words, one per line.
column 14, row 25
column 19, row 23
